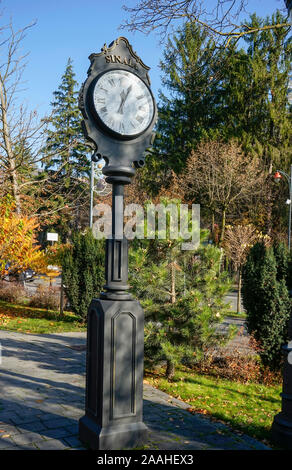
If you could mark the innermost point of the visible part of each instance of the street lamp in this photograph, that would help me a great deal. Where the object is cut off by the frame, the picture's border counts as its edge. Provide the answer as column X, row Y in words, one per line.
column 277, row 177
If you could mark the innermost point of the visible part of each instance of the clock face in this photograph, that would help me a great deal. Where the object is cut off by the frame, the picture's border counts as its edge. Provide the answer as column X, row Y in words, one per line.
column 123, row 103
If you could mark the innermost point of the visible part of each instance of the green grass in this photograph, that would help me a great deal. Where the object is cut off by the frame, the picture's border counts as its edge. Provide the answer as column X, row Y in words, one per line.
column 235, row 314
column 248, row 408
column 36, row 320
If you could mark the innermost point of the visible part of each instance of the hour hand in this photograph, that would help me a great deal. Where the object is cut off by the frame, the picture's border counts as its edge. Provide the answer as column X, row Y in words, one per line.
column 124, row 96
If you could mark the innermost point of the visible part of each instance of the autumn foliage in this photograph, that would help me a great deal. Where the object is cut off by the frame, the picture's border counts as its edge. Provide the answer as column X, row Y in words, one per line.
column 19, row 249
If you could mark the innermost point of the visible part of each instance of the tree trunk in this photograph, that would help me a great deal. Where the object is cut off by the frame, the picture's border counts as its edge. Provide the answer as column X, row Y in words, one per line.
column 269, row 204
column 173, row 293
column 11, row 165
column 223, row 223
column 238, row 310
column 170, row 369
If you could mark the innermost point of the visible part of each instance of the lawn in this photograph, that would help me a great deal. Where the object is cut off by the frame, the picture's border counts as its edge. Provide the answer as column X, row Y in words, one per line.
column 248, row 408
column 36, row 320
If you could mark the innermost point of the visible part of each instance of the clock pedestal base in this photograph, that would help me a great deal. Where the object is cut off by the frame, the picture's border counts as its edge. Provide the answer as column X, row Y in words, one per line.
column 112, row 437
column 115, row 347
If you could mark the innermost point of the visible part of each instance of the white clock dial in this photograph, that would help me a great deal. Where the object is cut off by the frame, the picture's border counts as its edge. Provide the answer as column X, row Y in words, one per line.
column 123, row 102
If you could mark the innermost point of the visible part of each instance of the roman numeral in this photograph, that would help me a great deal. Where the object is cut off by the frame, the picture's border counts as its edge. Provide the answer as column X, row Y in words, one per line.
column 139, row 119
column 100, row 100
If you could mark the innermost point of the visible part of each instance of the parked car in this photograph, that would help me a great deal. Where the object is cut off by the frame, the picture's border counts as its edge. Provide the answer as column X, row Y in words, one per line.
column 27, row 275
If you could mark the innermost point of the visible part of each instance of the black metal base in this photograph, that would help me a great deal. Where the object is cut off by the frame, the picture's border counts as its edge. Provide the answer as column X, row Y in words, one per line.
column 282, row 424
column 112, row 437
column 282, row 431
column 114, row 385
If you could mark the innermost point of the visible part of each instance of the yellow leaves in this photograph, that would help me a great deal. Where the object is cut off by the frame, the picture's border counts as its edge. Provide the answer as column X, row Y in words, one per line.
column 19, row 249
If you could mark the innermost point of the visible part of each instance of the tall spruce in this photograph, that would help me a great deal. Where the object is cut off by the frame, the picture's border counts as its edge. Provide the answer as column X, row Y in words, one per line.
column 255, row 92
column 66, row 160
column 186, row 111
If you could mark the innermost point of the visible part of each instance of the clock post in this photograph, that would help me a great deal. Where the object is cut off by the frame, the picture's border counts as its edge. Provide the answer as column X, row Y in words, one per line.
column 119, row 113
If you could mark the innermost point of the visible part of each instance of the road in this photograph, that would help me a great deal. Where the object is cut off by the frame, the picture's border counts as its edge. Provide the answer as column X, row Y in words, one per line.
column 232, row 298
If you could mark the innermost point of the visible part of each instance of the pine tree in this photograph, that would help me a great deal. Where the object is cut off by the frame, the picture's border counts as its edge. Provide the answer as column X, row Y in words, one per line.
column 267, row 304
column 66, row 152
column 182, row 293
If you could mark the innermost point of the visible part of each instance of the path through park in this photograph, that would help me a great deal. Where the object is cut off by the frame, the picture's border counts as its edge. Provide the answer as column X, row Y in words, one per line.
column 42, row 384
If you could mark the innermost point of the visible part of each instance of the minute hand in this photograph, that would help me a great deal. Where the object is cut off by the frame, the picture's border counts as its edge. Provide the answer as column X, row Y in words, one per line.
column 123, row 100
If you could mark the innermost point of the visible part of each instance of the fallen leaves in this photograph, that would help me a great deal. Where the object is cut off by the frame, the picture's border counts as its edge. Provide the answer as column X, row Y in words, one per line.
column 198, row 410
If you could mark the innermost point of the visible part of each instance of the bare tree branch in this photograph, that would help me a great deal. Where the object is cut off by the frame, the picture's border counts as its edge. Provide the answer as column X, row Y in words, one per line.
column 221, row 20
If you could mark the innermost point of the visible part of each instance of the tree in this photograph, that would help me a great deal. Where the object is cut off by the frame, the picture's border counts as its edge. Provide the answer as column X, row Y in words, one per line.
column 18, row 242
column 186, row 113
column 182, row 293
column 83, row 271
column 267, row 304
column 218, row 18
column 255, row 93
column 65, row 153
column 238, row 240
column 221, row 177
column 225, row 95
column 20, row 130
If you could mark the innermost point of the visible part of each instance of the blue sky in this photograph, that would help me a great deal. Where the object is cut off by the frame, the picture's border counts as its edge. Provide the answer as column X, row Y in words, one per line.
column 76, row 28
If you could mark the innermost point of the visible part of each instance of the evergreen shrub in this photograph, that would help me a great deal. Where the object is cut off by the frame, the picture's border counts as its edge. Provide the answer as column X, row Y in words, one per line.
column 266, row 301
column 83, row 271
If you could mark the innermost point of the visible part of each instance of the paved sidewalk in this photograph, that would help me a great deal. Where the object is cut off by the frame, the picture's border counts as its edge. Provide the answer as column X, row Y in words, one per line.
column 42, row 388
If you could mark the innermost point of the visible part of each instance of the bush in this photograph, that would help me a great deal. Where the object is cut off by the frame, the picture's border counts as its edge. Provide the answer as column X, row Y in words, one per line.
column 235, row 366
column 46, row 297
column 83, row 271
column 266, row 301
column 13, row 292
column 238, row 366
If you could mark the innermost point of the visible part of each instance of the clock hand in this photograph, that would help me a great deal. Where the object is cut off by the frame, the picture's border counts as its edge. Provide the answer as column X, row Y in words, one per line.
column 124, row 97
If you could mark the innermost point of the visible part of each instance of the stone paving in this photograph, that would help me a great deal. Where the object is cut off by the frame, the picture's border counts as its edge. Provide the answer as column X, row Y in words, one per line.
column 42, row 388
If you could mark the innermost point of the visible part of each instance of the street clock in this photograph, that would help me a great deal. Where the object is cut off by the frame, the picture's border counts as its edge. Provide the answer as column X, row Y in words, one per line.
column 119, row 113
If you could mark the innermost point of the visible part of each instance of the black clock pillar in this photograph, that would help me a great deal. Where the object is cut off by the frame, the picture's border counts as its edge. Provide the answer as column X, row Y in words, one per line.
column 113, row 418
column 115, row 335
